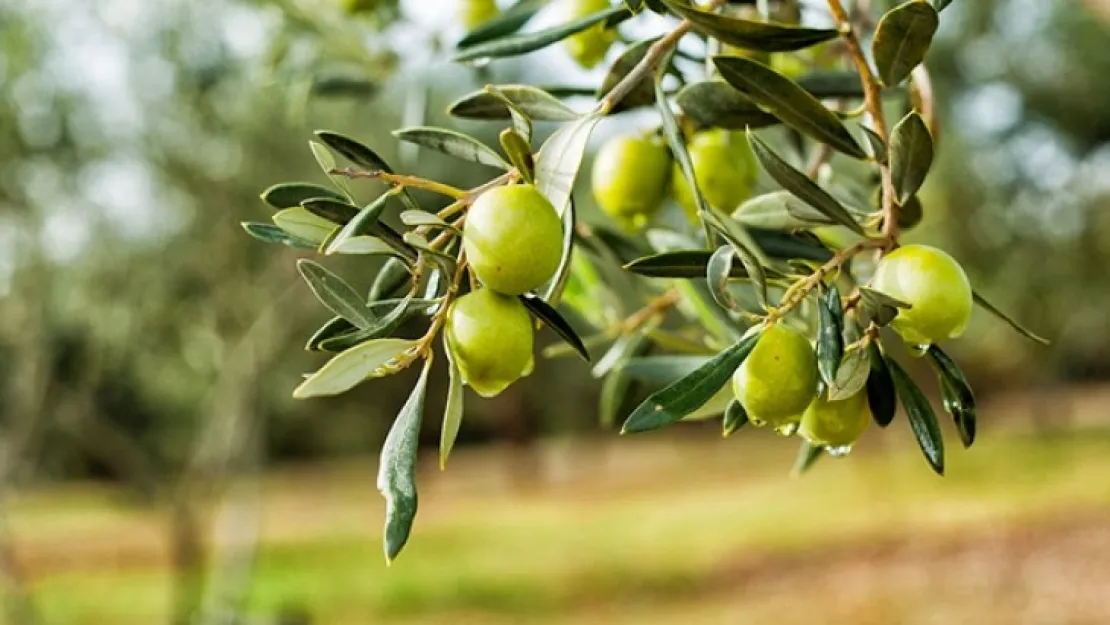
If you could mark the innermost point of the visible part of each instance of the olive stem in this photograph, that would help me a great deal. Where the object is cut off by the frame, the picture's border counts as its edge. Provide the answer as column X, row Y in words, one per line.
column 873, row 100
column 798, row 293
column 655, row 307
column 401, row 180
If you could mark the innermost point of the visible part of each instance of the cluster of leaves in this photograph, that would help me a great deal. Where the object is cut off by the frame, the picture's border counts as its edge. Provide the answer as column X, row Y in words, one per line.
column 701, row 294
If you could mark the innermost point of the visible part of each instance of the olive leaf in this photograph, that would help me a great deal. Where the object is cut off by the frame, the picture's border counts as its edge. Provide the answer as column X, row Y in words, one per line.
column 618, row 353
column 551, row 317
column 560, row 159
column 807, row 456
column 902, row 39
column 941, row 4
column 453, row 408
column 716, row 104
column 350, row 367
column 336, row 211
column 516, row 45
column 334, row 327
column 362, row 156
column 748, row 34
column 779, row 210
column 392, row 276
column 269, row 233
column 365, row 245
column 994, row 310
column 959, row 400
column 334, row 293
column 364, row 222
column 881, row 395
column 452, row 143
column 519, row 152
column 326, row 161
column 718, row 272
column 801, row 185
column 832, row 84
column 291, row 194
column 554, row 291
column 923, row 421
column 830, row 337
column 784, row 99
column 879, row 307
column 491, row 104
column 878, row 146
column 397, row 470
column 381, row 327
column 911, row 155
column 644, row 92
column 735, row 418
column 614, row 393
column 508, row 22
column 522, row 124
column 690, row 392
column 851, row 376
column 422, row 218
column 303, row 224
column 735, row 234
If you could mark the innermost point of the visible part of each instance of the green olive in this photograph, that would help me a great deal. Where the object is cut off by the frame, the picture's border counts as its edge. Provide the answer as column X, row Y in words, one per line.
column 724, row 167
column 778, row 380
column 630, row 176
column 490, row 338
column 835, row 423
column 588, row 47
column 474, row 13
column 513, row 239
column 935, row 287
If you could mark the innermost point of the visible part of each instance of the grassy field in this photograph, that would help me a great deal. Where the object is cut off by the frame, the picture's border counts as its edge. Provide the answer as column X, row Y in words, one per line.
column 659, row 529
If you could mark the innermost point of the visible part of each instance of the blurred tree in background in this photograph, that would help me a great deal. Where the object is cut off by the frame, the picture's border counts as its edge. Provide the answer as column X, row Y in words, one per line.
column 141, row 333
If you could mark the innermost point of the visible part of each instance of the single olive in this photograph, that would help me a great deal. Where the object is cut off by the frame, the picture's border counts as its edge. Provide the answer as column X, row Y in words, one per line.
column 935, row 287
column 778, row 380
column 474, row 13
column 588, row 48
column 725, row 169
column 630, row 176
column 513, row 239
column 835, row 423
column 490, row 337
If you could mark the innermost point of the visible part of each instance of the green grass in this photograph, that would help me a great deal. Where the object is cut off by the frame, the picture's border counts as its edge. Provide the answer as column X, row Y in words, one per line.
column 648, row 522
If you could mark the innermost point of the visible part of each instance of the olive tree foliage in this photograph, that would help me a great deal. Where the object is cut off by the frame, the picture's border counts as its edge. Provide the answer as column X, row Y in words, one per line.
column 837, row 109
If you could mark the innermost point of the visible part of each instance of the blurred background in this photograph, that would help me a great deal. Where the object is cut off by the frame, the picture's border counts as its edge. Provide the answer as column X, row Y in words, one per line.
column 154, row 468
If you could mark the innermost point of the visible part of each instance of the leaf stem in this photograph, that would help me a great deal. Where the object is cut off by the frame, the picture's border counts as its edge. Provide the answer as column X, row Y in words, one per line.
column 401, row 180
column 873, row 100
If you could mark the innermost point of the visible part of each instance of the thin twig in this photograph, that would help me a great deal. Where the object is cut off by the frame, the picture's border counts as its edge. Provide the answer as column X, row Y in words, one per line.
column 401, row 180
column 801, row 289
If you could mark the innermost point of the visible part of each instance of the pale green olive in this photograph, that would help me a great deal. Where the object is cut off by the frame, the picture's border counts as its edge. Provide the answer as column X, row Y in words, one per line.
column 474, row 13
column 778, row 380
column 835, row 423
column 724, row 167
column 513, row 239
column 588, row 47
column 935, row 287
column 491, row 338
column 630, row 176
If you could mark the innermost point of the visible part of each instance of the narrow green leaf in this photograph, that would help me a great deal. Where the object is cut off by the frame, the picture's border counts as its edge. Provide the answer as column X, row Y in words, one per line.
column 716, row 104
column 452, row 143
column 851, row 376
column 677, row 143
column 364, row 245
column 347, row 369
column 336, row 211
column 364, row 222
column 779, row 210
column 554, row 291
column 881, row 396
column 362, row 156
column 786, row 246
column 380, row 328
column 519, row 152
column 269, row 233
column 303, row 224
column 689, row 393
column 991, row 308
column 878, row 146
column 560, row 159
column 751, row 35
column 902, row 39
column 824, row 84
column 959, row 400
column 735, row 234
column 393, row 275
column 680, row 264
column 532, row 101
column 516, row 45
column 508, row 22
column 922, row 419
column 807, row 456
column 291, row 194
column 334, row 327
column 618, row 353
column 830, row 337
column 718, row 272
column 644, row 92
column 735, row 418
column 397, row 471
column 453, row 409
column 422, row 218
column 334, row 293
column 551, row 317
column 326, row 160
column 911, row 155
column 789, row 102
column 522, row 124
column 801, row 185
column 941, row 4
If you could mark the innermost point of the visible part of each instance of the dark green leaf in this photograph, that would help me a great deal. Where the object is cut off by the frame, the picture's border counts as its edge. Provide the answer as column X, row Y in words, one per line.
column 397, row 471
column 832, row 84
column 779, row 210
column 830, row 337
column 878, row 146
column 290, row 194
column 343, row 86
column 392, row 276
column 452, row 143
column 681, row 264
column 879, row 307
column 959, row 400
column 532, row 101
column 334, row 327
column 852, row 376
column 335, row 294
column 735, row 234
column 519, row 152
column 979, row 299
column 336, row 211
column 554, row 291
column 453, row 408
column 735, row 418
column 381, row 327
column 902, row 38
column 941, row 4
column 362, row 156
column 555, row 321
column 270, row 233
column 507, row 23
column 644, row 92
column 751, row 35
column 807, row 457
column 922, row 419
column 365, row 222
column 881, row 396
column 911, row 155
column 347, row 369
column 715, row 104
column 789, row 102
column 801, row 185
column 718, row 272
column 516, row 45
column 560, row 159
column 689, row 393
column 791, row 246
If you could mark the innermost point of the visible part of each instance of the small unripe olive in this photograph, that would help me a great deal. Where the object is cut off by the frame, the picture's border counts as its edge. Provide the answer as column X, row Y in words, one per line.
column 630, row 177
column 778, row 380
column 474, row 13
column 724, row 167
column 933, row 284
column 835, row 423
column 490, row 338
column 588, row 47
column 513, row 239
